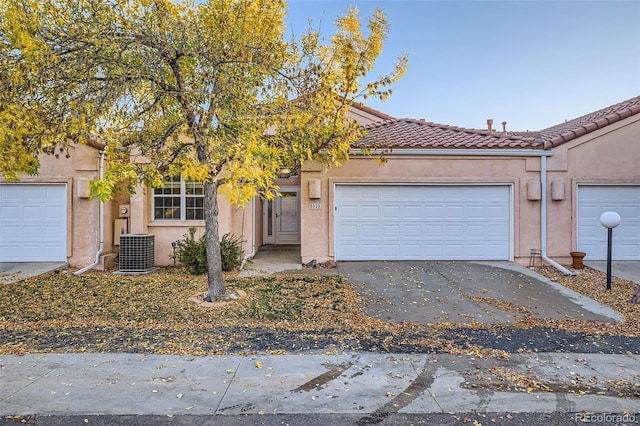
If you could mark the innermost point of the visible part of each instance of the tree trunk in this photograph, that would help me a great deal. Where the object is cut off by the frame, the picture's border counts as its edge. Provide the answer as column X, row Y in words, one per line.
column 215, row 287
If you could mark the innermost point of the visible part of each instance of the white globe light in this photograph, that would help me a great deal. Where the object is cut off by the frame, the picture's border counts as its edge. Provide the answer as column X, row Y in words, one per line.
column 610, row 219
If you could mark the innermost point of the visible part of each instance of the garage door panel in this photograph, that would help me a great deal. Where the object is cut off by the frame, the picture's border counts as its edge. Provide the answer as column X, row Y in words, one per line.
column 8, row 211
column 424, row 222
column 391, row 231
column 350, row 250
column 349, row 211
column 454, row 251
column 32, row 194
column 369, row 193
column 55, row 232
column 55, row 211
column 493, row 210
column 33, row 231
column 391, row 250
column 475, row 249
column 433, row 251
column 369, row 231
column 593, row 200
column 413, row 211
column 348, row 231
column 411, row 231
column 627, row 251
column 390, row 211
column 370, row 249
column 453, row 231
column 409, row 193
column 434, row 210
column 455, row 212
column 412, row 250
column 8, row 232
column 33, row 212
column 494, row 231
column 629, row 211
column 33, row 222
column 476, row 212
column 434, row 231
column 476, row 231
column 10, row 193
column 370, row 211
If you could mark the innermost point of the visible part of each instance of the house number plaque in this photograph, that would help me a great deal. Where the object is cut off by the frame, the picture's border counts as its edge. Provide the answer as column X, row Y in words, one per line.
column 314, row 206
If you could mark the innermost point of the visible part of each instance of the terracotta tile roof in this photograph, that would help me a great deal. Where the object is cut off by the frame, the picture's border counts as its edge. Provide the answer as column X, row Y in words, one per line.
column 407, row 133
column 562, row 133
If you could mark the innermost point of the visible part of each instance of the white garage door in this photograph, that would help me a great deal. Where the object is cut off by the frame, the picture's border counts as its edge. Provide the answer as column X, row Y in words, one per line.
column 419, row 222
column 33, row 222
column 593, row 200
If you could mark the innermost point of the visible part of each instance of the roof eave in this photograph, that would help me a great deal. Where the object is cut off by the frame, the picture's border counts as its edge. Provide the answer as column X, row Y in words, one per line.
column 478, row 152
column 591, row 126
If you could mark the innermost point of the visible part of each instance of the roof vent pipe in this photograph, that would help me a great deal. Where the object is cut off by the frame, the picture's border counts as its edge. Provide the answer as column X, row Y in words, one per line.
column 504, row 127
column 490, row 125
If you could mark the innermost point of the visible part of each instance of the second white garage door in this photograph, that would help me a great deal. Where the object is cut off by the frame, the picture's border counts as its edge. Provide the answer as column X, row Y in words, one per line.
column 422, row 222
column 33, row 222
column 593, row 200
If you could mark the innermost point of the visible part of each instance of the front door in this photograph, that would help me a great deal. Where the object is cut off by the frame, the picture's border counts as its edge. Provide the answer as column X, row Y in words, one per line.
column 282, row 218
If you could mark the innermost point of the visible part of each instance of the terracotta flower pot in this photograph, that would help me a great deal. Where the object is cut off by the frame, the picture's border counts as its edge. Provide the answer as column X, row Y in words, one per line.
column 577, row 259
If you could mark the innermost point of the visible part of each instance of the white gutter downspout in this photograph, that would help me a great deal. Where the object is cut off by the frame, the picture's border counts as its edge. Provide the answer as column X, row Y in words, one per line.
column 253, row 234
column 100, row 220
column 543, row 220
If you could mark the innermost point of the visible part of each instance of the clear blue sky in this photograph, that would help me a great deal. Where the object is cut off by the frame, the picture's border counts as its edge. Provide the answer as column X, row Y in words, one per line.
column 531, row 63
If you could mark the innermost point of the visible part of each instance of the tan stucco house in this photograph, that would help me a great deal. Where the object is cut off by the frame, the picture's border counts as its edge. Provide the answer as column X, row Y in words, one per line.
column 444, row 193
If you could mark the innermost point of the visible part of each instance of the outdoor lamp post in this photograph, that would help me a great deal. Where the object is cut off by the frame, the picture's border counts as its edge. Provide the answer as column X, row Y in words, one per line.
column 174, row 244
column 609, row 220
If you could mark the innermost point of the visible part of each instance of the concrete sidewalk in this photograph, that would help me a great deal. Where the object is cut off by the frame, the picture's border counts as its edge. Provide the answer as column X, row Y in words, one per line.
column 356, row 383
column 626, row 269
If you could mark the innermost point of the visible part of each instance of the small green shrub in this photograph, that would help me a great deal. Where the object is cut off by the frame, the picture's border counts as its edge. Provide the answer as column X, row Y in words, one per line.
column 192, row 252
column 231, row 252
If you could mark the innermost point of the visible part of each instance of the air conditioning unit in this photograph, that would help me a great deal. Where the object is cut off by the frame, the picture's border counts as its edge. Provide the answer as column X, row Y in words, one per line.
column 136, row 253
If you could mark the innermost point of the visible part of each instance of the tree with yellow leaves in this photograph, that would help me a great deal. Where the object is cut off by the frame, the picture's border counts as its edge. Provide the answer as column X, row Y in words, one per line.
column 210, row 90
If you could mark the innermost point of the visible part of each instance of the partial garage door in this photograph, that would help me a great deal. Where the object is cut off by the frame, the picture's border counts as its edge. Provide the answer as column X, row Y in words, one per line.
column 420, row 222
column 593, row 200
column 33, row 222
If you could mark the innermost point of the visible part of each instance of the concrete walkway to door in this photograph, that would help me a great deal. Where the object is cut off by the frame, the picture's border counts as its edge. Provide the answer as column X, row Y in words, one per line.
column 271, row 259
column 462, row 292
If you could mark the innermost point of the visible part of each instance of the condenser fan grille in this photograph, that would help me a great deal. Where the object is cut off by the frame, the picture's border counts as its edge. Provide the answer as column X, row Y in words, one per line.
column 136, row 252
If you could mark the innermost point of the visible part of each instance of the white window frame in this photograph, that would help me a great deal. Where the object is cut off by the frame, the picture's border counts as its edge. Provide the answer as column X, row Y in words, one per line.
column 183, row 196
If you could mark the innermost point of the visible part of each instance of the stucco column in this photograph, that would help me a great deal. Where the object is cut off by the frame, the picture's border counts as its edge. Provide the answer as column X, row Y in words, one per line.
column 140, row 211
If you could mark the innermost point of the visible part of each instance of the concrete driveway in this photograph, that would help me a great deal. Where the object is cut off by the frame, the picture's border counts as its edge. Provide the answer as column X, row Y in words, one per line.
column 463, row 292
column 11, row 272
